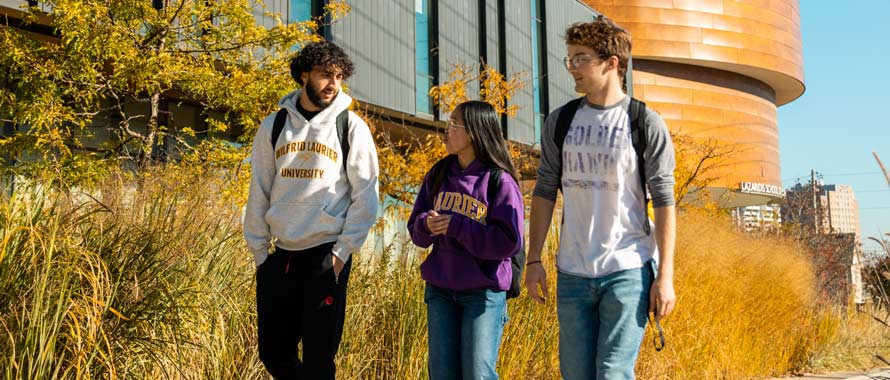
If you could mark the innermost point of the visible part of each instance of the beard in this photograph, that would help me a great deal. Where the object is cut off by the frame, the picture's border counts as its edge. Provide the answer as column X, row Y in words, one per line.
column 314, row 95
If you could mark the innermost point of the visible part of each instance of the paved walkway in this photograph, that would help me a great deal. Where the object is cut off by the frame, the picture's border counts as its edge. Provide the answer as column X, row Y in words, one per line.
column 880, row 374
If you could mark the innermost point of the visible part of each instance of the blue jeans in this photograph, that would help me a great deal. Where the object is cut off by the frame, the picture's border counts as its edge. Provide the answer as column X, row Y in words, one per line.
column 464, row 332
column 601, row 323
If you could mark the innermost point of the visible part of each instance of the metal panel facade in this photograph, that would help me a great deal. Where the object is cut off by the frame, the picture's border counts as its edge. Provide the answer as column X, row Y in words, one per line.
column 379, row 38
column 491, row 32
column 14, row 4
column 19, row 4
column 561, row 14
column 519, row 60
column 459, row 40
column 272, row 6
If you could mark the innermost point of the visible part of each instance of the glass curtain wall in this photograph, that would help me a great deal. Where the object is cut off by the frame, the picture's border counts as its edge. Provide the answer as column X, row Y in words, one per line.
column 422, row 59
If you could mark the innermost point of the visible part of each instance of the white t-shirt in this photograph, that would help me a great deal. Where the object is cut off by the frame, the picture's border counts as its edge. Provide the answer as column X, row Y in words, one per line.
column 603, row 211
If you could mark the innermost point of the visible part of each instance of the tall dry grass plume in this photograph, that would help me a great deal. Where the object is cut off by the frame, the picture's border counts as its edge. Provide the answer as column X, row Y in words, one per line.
column 747, row 306
column 131, row 282
column 149, row 278
column 155, row 283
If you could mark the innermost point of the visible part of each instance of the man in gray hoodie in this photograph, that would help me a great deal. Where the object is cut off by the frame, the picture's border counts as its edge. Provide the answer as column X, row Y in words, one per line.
column 317, row 205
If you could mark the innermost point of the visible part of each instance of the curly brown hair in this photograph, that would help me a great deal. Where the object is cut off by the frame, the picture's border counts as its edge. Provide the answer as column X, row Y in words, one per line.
column 323, row 54
column 605, row 38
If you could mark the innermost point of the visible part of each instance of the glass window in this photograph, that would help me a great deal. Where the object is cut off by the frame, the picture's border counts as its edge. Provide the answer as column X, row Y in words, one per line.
column 538, row 67
column 423, row 72
column 299, row 10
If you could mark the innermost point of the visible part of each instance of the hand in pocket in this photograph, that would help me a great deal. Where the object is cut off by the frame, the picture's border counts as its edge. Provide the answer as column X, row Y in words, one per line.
column 337, row 265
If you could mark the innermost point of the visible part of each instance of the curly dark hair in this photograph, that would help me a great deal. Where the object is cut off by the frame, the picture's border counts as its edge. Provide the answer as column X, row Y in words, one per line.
column 605, row 38
column 322, row 54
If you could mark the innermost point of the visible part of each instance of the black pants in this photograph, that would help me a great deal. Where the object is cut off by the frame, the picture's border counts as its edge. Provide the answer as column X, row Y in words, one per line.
column 300, row 299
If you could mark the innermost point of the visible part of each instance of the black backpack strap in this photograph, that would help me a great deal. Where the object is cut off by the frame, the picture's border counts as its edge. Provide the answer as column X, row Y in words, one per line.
column 343, row 134
column 639, row 134
column 278, row 125
column 517, row 262
column 563, row 123
column 438, row 173
column 494, row 182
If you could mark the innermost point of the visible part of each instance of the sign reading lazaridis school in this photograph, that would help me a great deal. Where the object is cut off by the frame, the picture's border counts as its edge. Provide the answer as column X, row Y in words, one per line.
column 761, row 189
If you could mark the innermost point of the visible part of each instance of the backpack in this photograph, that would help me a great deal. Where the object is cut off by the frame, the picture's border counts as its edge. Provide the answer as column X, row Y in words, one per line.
column 638, row 133
column 342, row 130
column 517, row 261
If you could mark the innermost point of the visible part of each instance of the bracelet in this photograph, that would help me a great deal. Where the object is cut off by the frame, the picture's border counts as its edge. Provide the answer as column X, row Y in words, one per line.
column 533, row 262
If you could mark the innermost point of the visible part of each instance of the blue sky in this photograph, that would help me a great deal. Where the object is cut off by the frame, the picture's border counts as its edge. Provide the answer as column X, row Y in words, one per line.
column 844, row 114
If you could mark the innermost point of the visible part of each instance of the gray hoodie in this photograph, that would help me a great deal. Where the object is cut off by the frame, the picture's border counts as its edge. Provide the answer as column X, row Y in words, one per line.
column 300, row 194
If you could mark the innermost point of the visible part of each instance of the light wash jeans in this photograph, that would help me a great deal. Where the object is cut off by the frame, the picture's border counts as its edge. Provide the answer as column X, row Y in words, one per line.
column 601, row 323
column 464, row 332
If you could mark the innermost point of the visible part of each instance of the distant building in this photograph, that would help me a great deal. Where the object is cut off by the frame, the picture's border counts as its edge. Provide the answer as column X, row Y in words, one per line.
column 842, row 210
column 833, row 212
column 856, row 283
column 758, row 218
column 832, row 209
column 846, row 285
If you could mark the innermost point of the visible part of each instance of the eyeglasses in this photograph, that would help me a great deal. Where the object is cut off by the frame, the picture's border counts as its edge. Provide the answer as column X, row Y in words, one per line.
column 452, row 126
column 577, row 61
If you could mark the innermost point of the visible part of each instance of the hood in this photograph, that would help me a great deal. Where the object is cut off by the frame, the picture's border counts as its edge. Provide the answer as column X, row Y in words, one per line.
column 477, row 167
column 329, row 114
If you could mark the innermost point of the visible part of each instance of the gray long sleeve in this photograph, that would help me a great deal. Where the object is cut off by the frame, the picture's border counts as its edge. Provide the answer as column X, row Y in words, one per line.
column 660, row 161
column 659, row 157
column 550, row 169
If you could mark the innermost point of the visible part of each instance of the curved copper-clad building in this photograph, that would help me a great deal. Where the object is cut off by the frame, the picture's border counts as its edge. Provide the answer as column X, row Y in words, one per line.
column 717, row 70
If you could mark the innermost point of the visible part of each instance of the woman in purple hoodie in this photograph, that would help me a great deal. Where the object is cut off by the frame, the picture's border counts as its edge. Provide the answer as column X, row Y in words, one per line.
column 474, row 232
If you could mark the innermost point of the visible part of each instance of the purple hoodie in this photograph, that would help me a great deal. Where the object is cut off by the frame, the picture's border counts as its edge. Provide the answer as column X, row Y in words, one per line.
column 483, row 233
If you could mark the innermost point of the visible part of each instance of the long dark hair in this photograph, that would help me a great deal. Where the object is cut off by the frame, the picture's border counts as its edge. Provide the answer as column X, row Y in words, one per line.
column 484, row 126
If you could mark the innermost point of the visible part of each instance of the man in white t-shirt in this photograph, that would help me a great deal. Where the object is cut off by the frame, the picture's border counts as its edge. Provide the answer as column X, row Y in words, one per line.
column 607, row 280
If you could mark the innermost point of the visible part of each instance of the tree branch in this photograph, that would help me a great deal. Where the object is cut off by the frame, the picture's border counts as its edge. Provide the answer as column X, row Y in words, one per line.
column 181, row 141
column 125, row 120
column 94, row 113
